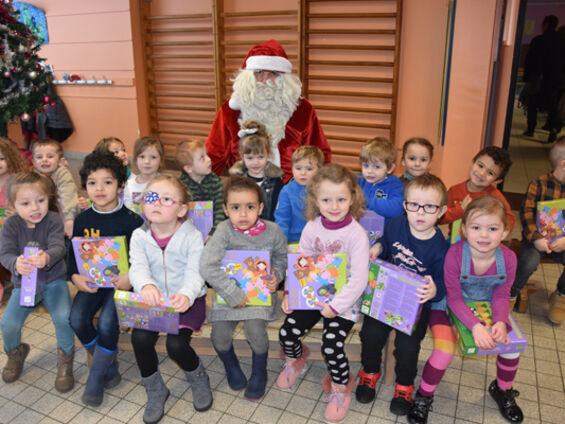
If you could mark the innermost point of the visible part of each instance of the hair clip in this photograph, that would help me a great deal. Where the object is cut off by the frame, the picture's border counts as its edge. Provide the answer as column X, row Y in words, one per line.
column 151, row 197
column 247, row 131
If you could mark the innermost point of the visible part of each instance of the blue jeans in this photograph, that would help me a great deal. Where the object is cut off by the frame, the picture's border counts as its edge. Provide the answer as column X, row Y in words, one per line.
column 85, row 307
column 56, row 299
column 528, row 262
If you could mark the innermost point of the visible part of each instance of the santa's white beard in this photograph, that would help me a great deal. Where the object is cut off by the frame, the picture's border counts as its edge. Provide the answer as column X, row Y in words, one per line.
column 271, row 103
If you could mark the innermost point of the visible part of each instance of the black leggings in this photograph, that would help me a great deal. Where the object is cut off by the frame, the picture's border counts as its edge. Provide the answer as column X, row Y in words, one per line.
column 178, row 348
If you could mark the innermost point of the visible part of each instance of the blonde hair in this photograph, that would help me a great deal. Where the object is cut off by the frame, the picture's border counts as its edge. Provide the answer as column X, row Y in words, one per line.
column 428, row 181
column 48, row 142
column 378, row 149
column 336, row 174
column 312, row 153
column 486, row 205
column 15, row 161
column 46, row 184
column 557, row 152
column 104, row 144
column 142, row 144
column 185, row 150
column 256, row 141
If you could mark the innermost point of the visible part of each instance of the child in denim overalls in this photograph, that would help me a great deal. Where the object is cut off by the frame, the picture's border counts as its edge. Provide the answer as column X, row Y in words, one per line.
column 480, row 268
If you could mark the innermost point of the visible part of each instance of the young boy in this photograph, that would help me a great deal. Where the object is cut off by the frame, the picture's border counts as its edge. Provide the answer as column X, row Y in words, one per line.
column 550, row 186
column 417, row 154
column 289, row 215
column 489, row 168
column 383, row 191
column 103, row 175
column 413, row 242
column 197, row 175
column 48, row 159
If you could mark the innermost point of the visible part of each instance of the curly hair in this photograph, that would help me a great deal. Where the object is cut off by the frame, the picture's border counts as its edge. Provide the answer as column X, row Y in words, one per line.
column 101, row 159
column 240, row 183
column 256, row 142
column 336, row 174
column 499, row 156
column 15, row 161
column 44, row 182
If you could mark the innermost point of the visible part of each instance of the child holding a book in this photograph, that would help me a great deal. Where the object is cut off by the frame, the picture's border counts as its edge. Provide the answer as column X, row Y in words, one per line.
column 289, row 214
column 480, row 268
column 148, row 158
column 36, row 223
column 535, row 246
column 255, row 151
column 164, row 254
column 333, row 205
column 417, row 154
column 243, row 230
column 413, row 242
column 103, row 176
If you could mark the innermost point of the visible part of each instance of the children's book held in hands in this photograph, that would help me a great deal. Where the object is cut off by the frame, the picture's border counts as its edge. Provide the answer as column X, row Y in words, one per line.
column 202, row 216
column 250, row 270
column 315, row 278
column 2, row 216
column 374, row 224
column 101, row 259
column 455, row 231
column 29, row 292
column 550, row 219
column 390, row 296
column 133, row 313
column 483, row 311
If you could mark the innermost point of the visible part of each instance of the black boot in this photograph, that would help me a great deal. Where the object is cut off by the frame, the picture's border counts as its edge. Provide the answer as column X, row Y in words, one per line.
column 506, row 401
column 421, row 406
column 236, row 378
column 258, row 380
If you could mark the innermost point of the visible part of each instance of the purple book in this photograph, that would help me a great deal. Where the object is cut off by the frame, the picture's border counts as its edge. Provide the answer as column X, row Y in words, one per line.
column 202, row 216
column 374, row 224
column 133, row 313
column 29, row 293
column 390, row 296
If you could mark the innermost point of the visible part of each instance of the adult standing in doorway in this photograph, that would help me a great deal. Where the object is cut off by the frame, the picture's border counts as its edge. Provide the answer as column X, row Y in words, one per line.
column 266, row 90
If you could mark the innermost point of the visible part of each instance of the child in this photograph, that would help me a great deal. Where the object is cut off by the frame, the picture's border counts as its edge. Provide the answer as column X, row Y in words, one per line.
column 115, row 146
column 164, row 255
column 37, row 222
column 197, row 175
column 255, row 150
column 48, row 159
column 480, row 268
column 243, row 230
column 550, row 186
column 148, row 158
column 413, row 242
column 383, row 191
column 417, row 156
column 489, row 168
column 289, row 215
column 11, row 162
column 103, row 177
column 333, row 205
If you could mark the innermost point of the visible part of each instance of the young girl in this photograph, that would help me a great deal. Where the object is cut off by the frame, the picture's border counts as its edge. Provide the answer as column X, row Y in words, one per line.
column 417, row 156
column 255, row 150
column 333, row 205
column 148, row 158
column 164, row 255
column 11, row 161
column 481, row 268
column 117, row 147
column 243, row 230
column 37, row 223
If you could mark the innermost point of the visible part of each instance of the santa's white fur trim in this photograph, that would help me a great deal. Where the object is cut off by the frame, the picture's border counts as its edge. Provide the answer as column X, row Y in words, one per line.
column 234, row 104
column 268, row 63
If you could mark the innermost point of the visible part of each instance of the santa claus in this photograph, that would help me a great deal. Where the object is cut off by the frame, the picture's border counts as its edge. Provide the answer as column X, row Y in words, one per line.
column 265, row 90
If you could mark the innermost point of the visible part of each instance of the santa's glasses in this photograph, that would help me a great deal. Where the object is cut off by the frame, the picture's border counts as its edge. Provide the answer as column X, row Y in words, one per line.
column 152, row 197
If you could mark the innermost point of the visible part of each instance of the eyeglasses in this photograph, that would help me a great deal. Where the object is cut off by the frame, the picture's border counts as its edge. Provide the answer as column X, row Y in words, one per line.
column 152, row 197
column 415, row 207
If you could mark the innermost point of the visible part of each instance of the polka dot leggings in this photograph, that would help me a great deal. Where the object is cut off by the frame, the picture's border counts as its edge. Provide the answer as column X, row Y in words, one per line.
column 298, row 323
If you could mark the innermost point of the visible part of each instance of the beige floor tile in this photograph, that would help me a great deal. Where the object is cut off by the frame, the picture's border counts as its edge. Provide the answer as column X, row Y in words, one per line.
column 241, row 408
column 47, row 403
column 266, row 415
column 301, row 406
column 289, row 417
column 229, row 419
column 66, row 411
column 10, row 411
column 181, row 410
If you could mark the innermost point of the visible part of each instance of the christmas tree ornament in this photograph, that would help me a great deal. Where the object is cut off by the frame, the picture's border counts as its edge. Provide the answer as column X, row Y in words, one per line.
column 7, row 74
column 53, row 104
column 25, row 117
column 33, row 74
column 46, row 99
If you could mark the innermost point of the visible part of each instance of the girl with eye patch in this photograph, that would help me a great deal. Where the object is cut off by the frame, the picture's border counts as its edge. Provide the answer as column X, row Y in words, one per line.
column 165, row 255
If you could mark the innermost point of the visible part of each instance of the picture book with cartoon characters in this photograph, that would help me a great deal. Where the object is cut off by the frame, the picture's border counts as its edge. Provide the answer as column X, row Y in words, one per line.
column 390, row 296
column 483, row 311
column 101, row 259
column 133, row 313
column 2, row 216
column 202, row 216
column 550, row 219
column 30, row 293
column 455, row 231
column 315, row 279
column 250, row 270
column 374, row 224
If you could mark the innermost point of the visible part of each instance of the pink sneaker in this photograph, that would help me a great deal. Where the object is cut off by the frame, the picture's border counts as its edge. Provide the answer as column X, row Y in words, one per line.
column 339, row 400
column 292, row 368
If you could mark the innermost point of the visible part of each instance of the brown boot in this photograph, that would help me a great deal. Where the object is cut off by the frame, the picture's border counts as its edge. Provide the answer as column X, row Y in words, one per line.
column 556, row 308
column 13, row 368
column 512, row 304
column 64, row 380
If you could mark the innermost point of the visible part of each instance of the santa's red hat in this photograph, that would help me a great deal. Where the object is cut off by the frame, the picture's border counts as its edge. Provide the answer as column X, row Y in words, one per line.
column 267, row 56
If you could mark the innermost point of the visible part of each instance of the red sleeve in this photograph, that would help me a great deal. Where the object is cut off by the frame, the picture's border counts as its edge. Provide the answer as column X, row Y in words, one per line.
column 454, row 211
column 222, row 142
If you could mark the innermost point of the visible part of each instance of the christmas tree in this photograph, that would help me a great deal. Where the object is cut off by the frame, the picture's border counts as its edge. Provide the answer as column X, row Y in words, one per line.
column 23, row 80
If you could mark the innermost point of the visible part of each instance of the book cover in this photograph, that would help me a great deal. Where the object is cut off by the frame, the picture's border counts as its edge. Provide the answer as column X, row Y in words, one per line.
column 101, row 259
column 390, row 296
column 315, row 278
column 29, row 292
column 483, row 311
column 202, row 216
column 133, row 313
column 456, row 231
column 550, row 219
column 2, row 216
column 374, row 224
column 250, row 270
column 293, row 247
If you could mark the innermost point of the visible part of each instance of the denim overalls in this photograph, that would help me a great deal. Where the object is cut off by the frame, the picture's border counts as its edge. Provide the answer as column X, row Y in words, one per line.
column 477, row 288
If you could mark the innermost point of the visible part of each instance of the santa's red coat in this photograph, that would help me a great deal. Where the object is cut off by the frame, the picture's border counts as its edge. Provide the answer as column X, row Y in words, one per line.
column 303, row 128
